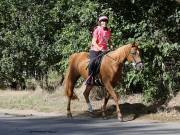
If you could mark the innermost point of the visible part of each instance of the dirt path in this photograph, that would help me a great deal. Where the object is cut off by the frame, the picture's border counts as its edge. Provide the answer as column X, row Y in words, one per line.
column 36, row 125
column 25, row 113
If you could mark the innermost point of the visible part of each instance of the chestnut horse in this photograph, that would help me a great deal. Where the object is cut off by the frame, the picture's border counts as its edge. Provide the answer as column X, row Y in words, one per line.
column 110, row 73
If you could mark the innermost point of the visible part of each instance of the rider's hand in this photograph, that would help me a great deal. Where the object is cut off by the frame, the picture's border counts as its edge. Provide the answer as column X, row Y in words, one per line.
column 111, row 47
column 100, row 48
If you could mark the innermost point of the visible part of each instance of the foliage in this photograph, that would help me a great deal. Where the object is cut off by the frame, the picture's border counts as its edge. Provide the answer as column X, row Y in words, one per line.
column 38, row 37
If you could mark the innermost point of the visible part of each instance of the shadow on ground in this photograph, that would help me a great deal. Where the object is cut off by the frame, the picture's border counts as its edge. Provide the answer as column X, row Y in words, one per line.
column 129, row 111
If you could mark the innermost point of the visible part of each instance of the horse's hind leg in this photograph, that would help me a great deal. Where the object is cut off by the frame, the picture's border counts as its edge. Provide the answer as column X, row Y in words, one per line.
column 106, row 99
column 69, row 86
column 69, row 114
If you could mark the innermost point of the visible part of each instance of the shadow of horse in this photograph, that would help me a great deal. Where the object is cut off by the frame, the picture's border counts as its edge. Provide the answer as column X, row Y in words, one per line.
column 130, row 111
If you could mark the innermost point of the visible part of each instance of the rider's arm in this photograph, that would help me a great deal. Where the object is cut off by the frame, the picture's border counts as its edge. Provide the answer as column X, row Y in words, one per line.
column 95, row 44
column 110, row 41
column 94, row 39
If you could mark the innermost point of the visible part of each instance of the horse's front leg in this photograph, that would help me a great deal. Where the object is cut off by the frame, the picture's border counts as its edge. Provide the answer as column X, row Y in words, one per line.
column 104, row 106
column 86, row 95
column 113, row 94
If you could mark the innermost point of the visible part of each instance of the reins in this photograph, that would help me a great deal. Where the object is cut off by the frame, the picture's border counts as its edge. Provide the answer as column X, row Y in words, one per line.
column 117, row 61
column 111, row 58
column 136, row 63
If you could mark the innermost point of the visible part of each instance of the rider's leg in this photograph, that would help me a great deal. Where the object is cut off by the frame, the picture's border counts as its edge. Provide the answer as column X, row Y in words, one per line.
column 92, row 55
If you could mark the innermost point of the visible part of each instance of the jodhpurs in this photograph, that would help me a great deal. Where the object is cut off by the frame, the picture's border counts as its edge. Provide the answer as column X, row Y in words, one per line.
column 93, row 55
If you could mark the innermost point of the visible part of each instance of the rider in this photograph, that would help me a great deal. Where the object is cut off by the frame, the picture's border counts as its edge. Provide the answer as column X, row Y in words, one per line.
column 101, row 38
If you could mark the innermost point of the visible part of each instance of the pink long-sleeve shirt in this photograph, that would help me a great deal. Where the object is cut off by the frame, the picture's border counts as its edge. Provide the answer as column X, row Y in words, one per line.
column 102, row 37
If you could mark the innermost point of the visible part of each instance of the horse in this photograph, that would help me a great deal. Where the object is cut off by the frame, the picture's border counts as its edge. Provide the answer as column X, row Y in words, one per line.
column 110, row 74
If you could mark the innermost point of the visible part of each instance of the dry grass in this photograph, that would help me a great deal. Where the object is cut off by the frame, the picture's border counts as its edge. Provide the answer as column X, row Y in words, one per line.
column 164, row 116
column 42, row 101
column 171, row 111
column 34, row 102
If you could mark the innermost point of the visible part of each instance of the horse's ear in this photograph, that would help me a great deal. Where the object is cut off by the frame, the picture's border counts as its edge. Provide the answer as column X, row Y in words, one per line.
column 134, row 44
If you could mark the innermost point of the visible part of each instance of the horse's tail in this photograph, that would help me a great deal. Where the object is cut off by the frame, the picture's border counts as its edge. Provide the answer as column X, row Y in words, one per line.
column 69, row 81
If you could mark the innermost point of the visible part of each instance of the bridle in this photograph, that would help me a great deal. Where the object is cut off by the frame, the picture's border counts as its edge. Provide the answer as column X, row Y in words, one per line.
column 132, row 55
column 135, row 63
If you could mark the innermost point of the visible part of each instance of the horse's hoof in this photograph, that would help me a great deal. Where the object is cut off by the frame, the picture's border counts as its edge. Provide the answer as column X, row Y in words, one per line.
column 120, row 119
column 105, row 118
column 69, row 115
column 91, row 112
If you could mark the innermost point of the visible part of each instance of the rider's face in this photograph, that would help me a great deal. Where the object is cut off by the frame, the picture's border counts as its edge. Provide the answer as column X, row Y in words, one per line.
column 104, row 23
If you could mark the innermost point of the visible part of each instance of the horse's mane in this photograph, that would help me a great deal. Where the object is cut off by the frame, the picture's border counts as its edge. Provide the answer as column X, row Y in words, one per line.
column 120, row 53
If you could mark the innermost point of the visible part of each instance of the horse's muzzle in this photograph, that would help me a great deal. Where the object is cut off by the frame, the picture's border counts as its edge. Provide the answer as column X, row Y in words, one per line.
column 138, row 65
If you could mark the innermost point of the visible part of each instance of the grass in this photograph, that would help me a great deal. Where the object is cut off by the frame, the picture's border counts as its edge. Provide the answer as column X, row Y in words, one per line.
column 163, row 116
column 35, row 100
column 41, row 101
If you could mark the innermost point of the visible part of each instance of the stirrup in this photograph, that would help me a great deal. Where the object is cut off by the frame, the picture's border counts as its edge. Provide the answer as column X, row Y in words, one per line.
column 89, row 81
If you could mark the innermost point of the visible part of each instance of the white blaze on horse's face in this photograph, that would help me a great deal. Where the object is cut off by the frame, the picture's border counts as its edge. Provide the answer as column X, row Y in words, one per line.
column 134, row 57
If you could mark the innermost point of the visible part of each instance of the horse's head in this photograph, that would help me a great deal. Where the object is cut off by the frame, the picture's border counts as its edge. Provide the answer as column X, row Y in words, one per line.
column 134, row 57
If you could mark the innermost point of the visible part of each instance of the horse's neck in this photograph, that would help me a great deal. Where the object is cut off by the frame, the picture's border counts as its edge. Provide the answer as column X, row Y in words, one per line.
column 121, row 53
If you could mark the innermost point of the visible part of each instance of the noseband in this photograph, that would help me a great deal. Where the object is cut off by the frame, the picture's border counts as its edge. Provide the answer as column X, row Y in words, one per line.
column 135, row 63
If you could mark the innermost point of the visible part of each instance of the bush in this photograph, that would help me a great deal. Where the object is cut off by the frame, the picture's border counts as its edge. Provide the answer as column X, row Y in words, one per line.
column 37, row 37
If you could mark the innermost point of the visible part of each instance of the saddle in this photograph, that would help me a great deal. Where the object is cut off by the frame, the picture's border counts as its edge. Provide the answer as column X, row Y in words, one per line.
column 96, row 69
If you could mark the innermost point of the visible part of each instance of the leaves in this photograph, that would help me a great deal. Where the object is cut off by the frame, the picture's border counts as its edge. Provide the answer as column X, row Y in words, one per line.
column 38, row 36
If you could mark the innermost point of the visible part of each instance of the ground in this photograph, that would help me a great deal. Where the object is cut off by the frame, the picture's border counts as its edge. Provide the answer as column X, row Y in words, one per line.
column 42, row 103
